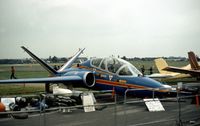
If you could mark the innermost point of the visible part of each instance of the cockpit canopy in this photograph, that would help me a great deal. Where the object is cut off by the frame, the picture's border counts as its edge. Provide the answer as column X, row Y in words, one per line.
column 116, row 66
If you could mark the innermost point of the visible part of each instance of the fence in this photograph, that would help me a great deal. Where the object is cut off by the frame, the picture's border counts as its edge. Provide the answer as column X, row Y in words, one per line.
column 120, row 111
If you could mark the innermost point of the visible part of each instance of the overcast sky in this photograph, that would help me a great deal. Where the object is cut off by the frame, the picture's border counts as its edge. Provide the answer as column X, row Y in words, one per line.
column 132, row 28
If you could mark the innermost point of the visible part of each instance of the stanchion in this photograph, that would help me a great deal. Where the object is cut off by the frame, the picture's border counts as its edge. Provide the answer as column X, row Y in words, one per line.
column 179, row 122
column 197, row 101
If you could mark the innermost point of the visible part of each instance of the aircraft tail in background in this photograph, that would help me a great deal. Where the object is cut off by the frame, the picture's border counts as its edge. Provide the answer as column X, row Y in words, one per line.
column 161, row 64
column 193, row 61
column 194, row 71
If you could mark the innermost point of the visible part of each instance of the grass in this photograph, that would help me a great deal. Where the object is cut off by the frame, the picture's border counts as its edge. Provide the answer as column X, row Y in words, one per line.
column 13, row 89
column 24, row 74
column 22, row 71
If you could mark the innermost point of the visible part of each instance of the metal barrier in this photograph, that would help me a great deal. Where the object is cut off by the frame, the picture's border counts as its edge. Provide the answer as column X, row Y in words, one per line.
column 177, row 121
column 131, row 90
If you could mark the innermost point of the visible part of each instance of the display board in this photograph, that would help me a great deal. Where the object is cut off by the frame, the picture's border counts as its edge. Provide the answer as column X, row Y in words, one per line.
column 88, row 102
column 154, row 105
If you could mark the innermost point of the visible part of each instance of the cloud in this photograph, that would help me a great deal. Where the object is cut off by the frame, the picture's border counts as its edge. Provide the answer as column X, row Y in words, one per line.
column 130, row 27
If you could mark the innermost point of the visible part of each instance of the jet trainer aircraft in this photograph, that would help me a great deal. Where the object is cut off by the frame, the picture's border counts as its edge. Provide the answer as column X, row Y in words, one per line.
column 161, row 64
column 194, row 70
column 170, row 72
column 98, row 73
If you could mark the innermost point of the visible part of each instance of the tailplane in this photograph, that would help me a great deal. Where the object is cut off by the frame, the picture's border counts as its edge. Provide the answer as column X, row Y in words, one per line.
column 41, row 62
column 193, row 61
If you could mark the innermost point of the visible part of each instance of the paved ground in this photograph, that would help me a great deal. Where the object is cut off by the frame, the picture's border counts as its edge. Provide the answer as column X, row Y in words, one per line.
column 113, row 115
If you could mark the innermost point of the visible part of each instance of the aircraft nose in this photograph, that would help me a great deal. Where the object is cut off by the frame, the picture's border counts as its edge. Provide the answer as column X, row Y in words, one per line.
column 155, row 84
column 167, row 87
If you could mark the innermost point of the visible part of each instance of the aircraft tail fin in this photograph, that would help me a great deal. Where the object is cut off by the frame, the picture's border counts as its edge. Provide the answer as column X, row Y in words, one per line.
column 193, row 61
column 161, row 64
column 71, row 61
column 41, row 62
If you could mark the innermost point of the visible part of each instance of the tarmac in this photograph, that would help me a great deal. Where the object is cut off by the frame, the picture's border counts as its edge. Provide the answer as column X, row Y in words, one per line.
column 134, row 114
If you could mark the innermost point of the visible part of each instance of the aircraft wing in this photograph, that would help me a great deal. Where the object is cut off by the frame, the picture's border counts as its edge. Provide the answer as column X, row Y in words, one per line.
column 43, row 80
column 179, row 70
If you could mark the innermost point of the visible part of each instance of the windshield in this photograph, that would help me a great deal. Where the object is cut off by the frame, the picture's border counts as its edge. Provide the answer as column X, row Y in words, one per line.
column 135, row 71
column 125, row 71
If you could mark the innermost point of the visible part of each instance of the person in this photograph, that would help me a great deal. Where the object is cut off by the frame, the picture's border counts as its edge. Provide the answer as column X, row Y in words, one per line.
column 12, row 73
column 55, row 67
column 150, row 70
column 58, row 67
column 142, row 70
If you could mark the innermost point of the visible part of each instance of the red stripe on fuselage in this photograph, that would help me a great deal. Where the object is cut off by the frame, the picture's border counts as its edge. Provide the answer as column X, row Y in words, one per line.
column 114, row 83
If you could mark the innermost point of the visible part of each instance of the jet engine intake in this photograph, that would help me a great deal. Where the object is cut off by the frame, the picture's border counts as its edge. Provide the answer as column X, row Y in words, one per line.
column 89, row 79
